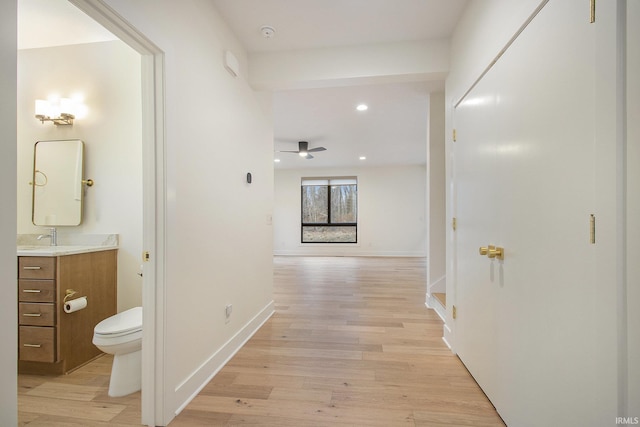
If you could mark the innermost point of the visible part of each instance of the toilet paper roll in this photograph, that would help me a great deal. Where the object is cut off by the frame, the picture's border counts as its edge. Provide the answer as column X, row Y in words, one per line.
column 75, row 304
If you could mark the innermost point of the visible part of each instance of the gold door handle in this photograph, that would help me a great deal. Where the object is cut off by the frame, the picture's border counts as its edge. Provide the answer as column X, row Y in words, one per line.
column 484, row 250
column 496, row 252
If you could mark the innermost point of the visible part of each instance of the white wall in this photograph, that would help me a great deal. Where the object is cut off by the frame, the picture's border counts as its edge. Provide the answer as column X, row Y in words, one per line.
column 391, row 212
column 8, row 306
column 493, row 23
column 108, row 75
column 218, row 241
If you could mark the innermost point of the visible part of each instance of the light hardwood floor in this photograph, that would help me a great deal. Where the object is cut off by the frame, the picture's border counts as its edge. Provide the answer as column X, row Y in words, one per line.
column 78, row 399
column 351, row 343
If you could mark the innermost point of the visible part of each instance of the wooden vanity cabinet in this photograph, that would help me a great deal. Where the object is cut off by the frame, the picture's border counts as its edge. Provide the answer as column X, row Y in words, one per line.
column 51, row 341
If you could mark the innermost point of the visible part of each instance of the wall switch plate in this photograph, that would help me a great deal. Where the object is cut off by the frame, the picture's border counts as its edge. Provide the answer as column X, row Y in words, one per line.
column 227, row 311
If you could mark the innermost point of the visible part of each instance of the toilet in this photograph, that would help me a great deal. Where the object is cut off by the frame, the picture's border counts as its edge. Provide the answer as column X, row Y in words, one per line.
column 121, row 335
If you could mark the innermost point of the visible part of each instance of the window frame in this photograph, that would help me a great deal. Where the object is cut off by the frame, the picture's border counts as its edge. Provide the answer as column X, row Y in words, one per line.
column 328, row 224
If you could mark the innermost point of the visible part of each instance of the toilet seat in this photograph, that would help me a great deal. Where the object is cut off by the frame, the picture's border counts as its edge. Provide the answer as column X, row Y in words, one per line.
column 124, row 323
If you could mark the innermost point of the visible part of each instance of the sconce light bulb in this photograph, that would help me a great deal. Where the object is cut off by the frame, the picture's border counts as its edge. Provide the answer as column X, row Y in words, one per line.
column 66, row 106
column 42, row 107
column 60, row 111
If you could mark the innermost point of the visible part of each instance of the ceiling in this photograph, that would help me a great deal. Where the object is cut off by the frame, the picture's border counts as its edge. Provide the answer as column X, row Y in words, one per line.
column 391, row 131
column 46, row 23
column 304, row 24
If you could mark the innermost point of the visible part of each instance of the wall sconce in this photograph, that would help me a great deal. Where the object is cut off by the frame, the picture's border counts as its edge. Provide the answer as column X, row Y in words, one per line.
column 60, row 111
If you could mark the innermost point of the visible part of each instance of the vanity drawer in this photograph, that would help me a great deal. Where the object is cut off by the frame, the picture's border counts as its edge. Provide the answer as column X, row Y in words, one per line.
column 36, row 267
column 37, row 344
column 36, row 314
column 36, row 290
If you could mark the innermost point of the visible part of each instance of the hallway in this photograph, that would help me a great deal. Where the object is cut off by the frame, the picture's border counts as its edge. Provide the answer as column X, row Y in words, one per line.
column 351, row 343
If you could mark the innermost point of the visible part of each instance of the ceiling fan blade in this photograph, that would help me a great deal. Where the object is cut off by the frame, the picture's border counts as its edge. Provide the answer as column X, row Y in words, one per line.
column 303, row 150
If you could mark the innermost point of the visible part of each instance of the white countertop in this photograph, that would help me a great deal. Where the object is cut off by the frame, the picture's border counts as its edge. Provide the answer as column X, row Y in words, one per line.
column 36, row 250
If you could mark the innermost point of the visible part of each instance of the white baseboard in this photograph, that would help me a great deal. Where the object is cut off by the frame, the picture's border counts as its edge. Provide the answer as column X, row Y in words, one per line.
column 447, row 337
column 427, row 301
column 447, row 334
column 345, row 252
column 436, row 306
column 195, row 382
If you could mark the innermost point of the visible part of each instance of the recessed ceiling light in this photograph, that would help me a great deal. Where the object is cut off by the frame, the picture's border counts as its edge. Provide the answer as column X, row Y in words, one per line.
column 276, row 160
column 363, row 158
column 362, row 107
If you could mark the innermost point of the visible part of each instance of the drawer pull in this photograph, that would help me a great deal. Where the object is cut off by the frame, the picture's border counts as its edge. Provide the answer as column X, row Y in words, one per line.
column 35, row 267
column 32, row 345
column 31, row 291
column 32, row 314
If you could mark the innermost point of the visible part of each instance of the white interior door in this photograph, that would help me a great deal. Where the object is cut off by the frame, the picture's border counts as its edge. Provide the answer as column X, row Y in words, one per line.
column 476, row 204
column 525, row 181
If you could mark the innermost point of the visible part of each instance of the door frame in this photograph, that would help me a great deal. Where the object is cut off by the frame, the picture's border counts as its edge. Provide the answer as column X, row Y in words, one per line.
column 153, row 202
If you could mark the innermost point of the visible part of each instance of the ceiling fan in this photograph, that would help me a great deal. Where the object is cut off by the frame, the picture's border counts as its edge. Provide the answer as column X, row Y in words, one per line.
column 304, row 150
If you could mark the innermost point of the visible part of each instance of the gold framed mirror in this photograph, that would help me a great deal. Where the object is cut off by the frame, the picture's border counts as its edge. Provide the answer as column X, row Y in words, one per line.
column 57, row 192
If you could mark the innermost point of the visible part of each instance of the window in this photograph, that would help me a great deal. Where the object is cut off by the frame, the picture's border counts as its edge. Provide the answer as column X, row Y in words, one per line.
column 329, row 210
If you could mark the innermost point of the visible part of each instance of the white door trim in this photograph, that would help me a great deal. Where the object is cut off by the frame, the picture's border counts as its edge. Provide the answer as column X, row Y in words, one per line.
column 154, row 203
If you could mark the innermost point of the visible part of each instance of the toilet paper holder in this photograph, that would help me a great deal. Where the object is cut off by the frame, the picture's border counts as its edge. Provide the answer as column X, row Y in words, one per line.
column 68, row 294
column 72, row 305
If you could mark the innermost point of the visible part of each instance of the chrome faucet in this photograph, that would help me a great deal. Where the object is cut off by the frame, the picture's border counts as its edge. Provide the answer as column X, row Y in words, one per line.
column 53, row 235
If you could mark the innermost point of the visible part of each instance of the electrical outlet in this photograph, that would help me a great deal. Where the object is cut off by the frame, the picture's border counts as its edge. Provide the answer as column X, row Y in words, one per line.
column 227, row 311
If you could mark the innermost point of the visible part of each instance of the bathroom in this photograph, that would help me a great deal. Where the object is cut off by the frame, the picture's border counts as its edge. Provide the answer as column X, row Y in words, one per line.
column 105, row 76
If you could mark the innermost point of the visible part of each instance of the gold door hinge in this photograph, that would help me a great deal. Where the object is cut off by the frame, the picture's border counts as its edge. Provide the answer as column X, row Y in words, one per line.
column 146, row 257
column 454, row 312
column 592, row 229
column 592, row 14
column 454, row 135
column 454, row 223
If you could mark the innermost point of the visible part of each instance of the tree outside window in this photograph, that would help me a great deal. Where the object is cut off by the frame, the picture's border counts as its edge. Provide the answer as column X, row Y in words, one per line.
column 329, row 210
